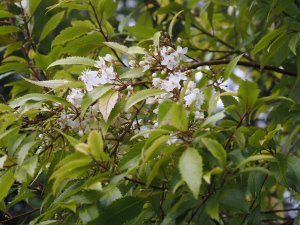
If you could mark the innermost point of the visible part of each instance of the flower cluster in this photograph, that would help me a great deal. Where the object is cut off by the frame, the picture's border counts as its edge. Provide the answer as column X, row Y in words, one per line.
column 166, row 64
column 104, row 75
column 92, row 78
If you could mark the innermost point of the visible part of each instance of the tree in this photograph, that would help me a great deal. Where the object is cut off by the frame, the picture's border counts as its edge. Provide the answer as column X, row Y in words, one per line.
column 149, row 112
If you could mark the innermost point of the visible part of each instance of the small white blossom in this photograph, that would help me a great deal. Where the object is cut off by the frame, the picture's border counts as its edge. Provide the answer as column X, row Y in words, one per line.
column 199, row 115
column 90, row 79
column 108, row 58
column 198, row 76
column 75, row 97
column 100, row 63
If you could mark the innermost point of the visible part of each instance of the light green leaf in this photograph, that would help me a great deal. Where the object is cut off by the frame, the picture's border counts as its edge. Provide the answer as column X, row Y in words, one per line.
column 95, row 143
column 2, row 161
column 93, row 96
column 150, row 151
column 256, row 158
column 216, row 149
column 136, row 50
column 6, row 180
column 78, row 29
column 22, row 153
column 172, row 114
column 170, row 31
column 38, row 98
column 73, row 141
column 132, row 73
column 73, row 60
column 141, row 133
column 213, row 119
column 5, row 14
column 8, row 132
column 33, row 4
column 230, row 67
column 156, row 38
column 30, row 165
column 49, row 83
column 118, row 47
column 293, row 42
column 190, row 167
column 7, row 30
column 51, row 24
column 266, row 40
column 107, row 102
column 141, row 95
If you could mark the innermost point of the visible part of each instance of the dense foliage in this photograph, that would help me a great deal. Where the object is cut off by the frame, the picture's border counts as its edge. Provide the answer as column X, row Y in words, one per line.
column 149, row 112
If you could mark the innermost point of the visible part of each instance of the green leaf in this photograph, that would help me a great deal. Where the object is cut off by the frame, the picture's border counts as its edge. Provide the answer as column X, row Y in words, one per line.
column 50, row 83
column 141, row 95
column 190, row 167
column 293, row 42
column 266, row 40
column 38, row 98
column 118, row 47
column 73, row 141
column 150, row 151
column 8, row 29
column 211, row 120
column 248, row 93
column 173, row 114
column 216, row 149
column 78, row 29
column 30, row 165
column 212, row 207
column 132, row 73
column 6, row 181
column 95, row 143
column 22, row 153
column 2, row 161
column 51, row 24
column 170, row 31
column 107, row 102
column 256, row 158
column 5, row 14
column 134, row 50
column 230, row 67
column 93, row 96
column 33, row 4
column 120, row 211
column 73, row 60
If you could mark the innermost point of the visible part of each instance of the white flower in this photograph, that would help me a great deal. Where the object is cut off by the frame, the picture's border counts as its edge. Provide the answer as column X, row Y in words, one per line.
column 198, row 76
column 75, row 97
column 172, row 83
column 157, row 82
column 108, row 58
column 169, row 61
column 193, row 94
column 146, row 67
column 100, row 63
column 107, row 75
column 180, row 53
column 191, row 97
column 90, row 79
column 199, row 115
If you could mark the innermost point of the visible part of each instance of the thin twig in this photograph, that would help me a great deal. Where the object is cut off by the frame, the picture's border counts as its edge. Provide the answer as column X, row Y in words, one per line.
column 102, row 32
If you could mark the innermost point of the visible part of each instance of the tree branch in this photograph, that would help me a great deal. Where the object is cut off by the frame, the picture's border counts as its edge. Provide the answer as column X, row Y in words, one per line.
column 246, row 64
column 102, row 32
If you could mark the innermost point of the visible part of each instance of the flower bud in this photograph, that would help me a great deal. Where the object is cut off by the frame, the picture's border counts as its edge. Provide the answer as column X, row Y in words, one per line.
column 142, row 63
column 108, row 58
